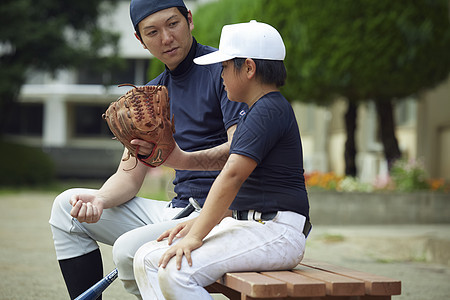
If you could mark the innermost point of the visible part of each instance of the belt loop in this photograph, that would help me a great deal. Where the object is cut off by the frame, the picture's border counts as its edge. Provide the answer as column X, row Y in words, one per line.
column 251, row 215
column 257, row 216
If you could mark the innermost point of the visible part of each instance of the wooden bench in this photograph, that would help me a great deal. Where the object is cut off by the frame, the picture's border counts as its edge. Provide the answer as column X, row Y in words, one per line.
column 309, row 280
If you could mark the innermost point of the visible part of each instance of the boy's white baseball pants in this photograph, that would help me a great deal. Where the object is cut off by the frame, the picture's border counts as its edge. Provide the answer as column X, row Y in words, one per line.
column 231, row 246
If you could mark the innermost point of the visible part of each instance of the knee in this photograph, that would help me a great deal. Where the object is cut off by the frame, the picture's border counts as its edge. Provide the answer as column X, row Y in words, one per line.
column 140, row 265
column 166, row 278
column 172, row 281
column 145, row 269
column 147, row 257
column 63, row 200
column 123, row 252
column 61, row 207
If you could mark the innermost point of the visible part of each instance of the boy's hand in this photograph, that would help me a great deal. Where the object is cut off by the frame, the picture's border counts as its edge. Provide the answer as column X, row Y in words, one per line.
column 182, row 248
column 178, row 231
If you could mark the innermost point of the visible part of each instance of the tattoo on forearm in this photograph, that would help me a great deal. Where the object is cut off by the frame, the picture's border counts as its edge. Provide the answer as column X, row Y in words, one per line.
column 212, row 159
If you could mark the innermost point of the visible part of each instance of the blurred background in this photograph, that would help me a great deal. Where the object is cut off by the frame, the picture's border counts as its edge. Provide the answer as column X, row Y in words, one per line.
column 368, row 80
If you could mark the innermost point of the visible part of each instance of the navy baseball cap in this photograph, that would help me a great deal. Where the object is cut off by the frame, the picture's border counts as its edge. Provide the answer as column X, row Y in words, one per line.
column 140, row 9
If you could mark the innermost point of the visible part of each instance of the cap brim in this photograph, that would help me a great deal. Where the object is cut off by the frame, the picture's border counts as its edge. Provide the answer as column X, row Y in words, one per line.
column 212, row 58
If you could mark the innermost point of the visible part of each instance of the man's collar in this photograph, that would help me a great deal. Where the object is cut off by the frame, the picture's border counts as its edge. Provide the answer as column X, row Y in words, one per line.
column 187, row 62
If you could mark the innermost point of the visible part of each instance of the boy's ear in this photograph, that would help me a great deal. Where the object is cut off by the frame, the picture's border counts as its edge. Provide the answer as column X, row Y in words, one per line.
column 140, row 40
column 250, row 68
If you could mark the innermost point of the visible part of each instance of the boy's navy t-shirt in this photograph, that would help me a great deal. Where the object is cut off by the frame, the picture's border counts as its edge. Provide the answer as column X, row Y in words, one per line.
column 202, row 114
column 269, row 134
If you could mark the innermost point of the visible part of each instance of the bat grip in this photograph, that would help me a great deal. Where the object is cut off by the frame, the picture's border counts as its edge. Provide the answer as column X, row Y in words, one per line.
column 96, row 290
column 185, row 212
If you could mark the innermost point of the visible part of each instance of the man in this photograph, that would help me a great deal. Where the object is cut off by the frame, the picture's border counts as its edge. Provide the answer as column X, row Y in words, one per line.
column 204, row 122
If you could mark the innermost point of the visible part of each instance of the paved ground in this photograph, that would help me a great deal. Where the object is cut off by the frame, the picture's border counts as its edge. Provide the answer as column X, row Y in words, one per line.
column 417, row 255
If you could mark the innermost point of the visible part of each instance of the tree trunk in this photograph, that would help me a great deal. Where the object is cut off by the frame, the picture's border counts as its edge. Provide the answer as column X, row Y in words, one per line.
column 386, row 122
column 350, row 144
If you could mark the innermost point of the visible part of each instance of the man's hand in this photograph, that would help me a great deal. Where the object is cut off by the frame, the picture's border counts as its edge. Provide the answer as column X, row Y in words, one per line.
column 178, row 231
column 143, row 113
column 145, row 148
column 182, row 248
column 86, row 208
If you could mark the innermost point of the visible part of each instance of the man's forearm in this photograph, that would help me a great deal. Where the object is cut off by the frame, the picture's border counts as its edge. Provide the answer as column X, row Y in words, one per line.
column 212, row 159
column 115, row 193
column 203, row 160
column 123, row 185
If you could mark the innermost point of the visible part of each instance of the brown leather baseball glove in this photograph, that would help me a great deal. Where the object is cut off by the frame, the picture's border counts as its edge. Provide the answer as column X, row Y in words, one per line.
column 143, row 113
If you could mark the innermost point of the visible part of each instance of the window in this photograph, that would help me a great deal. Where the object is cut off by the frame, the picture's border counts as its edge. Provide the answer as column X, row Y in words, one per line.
column 405, row 112
column 88, row 121
column 25, row 119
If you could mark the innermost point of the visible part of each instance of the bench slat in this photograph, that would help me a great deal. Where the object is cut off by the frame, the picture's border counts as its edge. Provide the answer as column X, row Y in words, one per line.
column 298, row 284
column 336, row 285
column 255, row 284
column 374, row 284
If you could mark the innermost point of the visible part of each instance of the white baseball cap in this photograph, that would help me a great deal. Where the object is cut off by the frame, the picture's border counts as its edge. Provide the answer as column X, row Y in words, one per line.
column 246, row 40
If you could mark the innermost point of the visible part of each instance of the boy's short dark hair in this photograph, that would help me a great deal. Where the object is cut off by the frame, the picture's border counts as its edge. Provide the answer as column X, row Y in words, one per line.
column 267, row 71
column 184, row 12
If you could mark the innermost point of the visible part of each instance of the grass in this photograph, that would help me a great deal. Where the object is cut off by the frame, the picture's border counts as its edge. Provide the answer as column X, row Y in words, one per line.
column 157, row 195
column 332, row 238
column 157, row 192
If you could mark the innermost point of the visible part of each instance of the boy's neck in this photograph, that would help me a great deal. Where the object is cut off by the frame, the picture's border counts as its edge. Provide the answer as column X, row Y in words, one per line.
column 257, row 90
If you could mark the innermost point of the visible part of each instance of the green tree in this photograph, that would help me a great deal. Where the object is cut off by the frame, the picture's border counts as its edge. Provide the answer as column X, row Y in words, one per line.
column 363, row 50
column 211, row 17
column 49, row 35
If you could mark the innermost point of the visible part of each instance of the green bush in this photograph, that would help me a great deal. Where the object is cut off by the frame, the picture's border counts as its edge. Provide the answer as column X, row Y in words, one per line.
column 409, row 175
column 24, row 166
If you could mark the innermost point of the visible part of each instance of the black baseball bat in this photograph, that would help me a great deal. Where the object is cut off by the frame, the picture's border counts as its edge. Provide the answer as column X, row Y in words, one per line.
column 97, row 289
